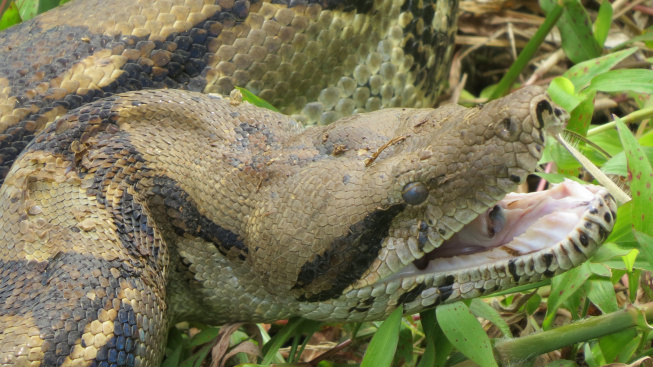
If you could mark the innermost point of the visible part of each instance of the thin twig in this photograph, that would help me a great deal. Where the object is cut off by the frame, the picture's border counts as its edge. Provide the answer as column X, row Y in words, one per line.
column 393, row 141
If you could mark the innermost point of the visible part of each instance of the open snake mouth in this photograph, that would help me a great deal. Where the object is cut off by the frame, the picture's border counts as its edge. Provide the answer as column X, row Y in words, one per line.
column 567, row 221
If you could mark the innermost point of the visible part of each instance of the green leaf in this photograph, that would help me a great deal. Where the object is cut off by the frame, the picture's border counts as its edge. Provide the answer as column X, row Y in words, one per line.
column 28, row 8
column 608, row 140
column 482, row 309
column 173, row 358
column 533, row 304
column 204, row 336
column 609, row 251
column 581, row 117
column 623, row 227
column 603, row 23
column 255, row 100
column 562, row 363
column 578, row 42
column 573, row 304
column 444, row 345
column 271, row 348
column 428, row 357
column 562, row 287
column 581, row 74
column 197, row 358
column 563, row 93
column 633, row 284
column 612, row 344
column 600, row 270
column 10, row 17
column 593, row 355
column 382, row 348
column 640, row 175
column 636, row 80
column 629, row 349
column 645, row 245
column 45, row 5
column 629, row 260
column 601, row 293
column 617, row 165
column 404, row 350
column 465, row 332
column 428, row 323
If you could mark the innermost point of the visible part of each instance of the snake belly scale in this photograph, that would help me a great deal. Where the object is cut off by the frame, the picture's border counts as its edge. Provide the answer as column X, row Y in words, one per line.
column 124, row 210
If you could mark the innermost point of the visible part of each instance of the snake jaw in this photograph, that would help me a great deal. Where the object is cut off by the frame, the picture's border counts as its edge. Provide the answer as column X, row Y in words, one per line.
column 524, row 224
column 520, row 252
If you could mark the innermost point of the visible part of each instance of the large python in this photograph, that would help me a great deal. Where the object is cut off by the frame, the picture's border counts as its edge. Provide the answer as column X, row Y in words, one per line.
column 135, row 210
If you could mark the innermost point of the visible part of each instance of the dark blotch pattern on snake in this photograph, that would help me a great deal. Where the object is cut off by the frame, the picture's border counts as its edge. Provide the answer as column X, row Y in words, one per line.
column 126, row 207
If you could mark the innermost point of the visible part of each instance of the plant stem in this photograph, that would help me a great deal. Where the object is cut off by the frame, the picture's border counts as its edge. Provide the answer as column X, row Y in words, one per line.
column 520, row 349
column 635, row 116
column 527, row 53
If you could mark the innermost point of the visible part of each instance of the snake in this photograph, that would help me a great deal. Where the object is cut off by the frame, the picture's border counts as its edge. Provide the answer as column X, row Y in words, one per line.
column 134, row 196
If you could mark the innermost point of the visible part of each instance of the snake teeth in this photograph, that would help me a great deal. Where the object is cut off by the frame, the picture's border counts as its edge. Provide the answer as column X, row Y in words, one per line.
column 567, row 221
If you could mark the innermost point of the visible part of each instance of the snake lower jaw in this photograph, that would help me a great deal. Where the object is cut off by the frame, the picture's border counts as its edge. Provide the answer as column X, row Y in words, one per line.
column 524, row 235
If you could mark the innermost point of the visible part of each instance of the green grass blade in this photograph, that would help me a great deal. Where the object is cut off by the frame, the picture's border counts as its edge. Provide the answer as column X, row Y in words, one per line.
column 428, row 358
column 428, row 323
column 482, row 309
column 527, row 53
column 435, row 336
column 444, row 346
column 646, row 36
column 173, row 358
column 255, row 100
column 383, row 346
column 271, row 348
column 465, row 332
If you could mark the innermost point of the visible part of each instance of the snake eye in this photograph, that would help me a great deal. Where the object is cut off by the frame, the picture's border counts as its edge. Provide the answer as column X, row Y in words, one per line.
column 415, row 193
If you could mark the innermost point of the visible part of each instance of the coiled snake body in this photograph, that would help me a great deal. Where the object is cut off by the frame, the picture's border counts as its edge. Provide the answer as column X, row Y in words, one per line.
column 135, row 210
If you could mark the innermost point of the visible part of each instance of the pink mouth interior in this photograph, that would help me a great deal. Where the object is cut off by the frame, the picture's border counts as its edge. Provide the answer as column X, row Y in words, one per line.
column 517, row 225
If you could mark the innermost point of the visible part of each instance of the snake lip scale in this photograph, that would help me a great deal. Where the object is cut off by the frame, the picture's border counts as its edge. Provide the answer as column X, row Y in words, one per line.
column 130, row 201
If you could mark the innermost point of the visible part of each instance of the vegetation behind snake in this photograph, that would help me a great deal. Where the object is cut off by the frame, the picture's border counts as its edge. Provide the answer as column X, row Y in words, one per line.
column 135, row 210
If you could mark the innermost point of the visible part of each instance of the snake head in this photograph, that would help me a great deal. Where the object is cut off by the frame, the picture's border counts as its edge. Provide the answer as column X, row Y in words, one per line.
column 409, row 206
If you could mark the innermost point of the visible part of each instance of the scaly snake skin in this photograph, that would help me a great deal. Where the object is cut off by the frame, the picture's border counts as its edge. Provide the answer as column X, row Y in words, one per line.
column 144, row 208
